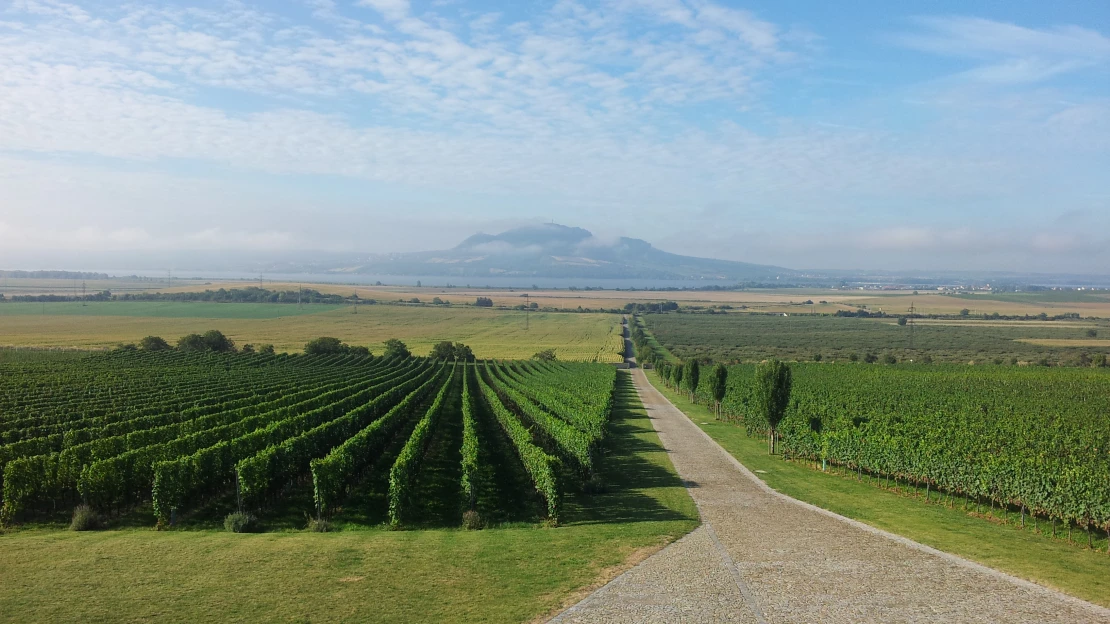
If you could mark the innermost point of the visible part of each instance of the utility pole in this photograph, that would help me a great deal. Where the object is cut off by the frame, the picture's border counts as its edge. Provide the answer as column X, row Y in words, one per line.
column 84, row 298
column 527, row 308
column 300, row 291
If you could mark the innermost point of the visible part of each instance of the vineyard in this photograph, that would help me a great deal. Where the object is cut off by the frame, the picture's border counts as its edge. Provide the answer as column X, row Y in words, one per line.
column 1034, row 443
column 176, row 433
column 745, row 337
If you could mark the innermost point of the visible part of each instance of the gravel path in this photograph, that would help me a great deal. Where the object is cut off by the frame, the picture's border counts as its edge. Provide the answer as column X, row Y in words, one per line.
column 761, row 556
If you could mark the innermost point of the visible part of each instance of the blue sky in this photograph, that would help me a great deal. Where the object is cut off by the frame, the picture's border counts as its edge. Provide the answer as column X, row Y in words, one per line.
column 807, row 134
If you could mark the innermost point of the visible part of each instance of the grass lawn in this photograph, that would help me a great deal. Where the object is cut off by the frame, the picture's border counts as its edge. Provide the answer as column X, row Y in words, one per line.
column 1051, row 562
column 510, row 574
column 501, row 334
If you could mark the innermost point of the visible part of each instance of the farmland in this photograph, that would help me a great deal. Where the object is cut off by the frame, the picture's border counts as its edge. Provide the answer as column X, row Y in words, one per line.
column 511, row 571
column 1028, row 445
column 502, row 334
column 748, row 337
column 902, row 509
column 178, row 429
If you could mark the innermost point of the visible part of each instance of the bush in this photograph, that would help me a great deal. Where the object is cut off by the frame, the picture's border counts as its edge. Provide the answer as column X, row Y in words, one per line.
column 85, row 518
column 324, row 345
column 471, row 520
column 239, row 522
column 888, row 358
column 396, row 349
column 318, row 525
column 547, row 355
column 153, row 343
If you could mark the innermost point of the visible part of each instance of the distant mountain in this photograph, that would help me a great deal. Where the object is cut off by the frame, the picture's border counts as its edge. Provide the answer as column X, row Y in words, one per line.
column 557, row 251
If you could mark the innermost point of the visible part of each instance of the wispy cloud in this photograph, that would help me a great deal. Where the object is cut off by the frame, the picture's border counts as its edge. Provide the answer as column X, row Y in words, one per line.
column 1007, row 53
column 581, row 110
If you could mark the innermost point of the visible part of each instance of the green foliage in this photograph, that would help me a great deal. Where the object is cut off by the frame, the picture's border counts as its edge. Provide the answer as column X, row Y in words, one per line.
column 215, row 340
column 325, row 345
column 1018, row 436
column 403, row 473
column 239, row 522
column 463, row 353
column 86, row 518
column 192, row 342
column 444, row 350
column 718, row 384
column 771, row 394
column 470, row 447
column 154, row 343
column 396, row 349
column 335, row 471
column 755, row 337
column 547, row 355
column 211, row 340
column 181, row 428
column 484, row 302
column 691, row 373
column 541, row 467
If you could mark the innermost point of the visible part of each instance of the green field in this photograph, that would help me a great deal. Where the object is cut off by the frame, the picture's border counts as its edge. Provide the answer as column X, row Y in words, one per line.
column 1004, row 546
column 165, row 309
column 754, row 337
column 508, row 574
column 491, row 333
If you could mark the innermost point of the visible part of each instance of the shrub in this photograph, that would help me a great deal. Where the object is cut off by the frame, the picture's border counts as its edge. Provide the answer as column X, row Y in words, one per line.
column 888, row 358
column 472, row 521
column 396, row 349
column 547, row 355
column 153, row 343
column 239, row 522
column 318, row 525
column 85, row 518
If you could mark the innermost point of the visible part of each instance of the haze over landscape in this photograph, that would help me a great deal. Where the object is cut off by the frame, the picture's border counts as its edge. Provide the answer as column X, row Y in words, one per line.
column 971, row 136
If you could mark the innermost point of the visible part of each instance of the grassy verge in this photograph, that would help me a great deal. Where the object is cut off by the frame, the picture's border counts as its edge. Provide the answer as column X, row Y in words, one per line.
column 1023, row 553
column 367, row 575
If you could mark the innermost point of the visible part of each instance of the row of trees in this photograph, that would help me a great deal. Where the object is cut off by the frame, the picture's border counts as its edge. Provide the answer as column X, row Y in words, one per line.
column 212, row 340
column 771, row 392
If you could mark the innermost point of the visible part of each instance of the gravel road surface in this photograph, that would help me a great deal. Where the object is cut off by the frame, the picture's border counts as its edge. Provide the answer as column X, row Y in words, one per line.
column 760, row 556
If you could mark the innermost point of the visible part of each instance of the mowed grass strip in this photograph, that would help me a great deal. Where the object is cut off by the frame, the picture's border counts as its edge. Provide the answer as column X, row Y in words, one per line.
column 502, row 334
column 1054, row 563
column 372, row 575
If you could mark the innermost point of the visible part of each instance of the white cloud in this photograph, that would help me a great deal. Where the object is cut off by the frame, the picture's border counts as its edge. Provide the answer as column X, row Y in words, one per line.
column 1009, row 53
column 392, row 9
column 583, row 111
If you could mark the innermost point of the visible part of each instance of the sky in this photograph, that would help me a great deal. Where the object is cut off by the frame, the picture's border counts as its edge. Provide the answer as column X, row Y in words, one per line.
column 810, row 134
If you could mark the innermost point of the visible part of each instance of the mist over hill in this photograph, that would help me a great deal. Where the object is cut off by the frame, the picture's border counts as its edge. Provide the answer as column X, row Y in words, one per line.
column 551, row 250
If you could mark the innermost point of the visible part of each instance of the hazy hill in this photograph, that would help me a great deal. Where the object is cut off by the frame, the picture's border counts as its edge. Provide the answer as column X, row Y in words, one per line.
column 551, row 250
